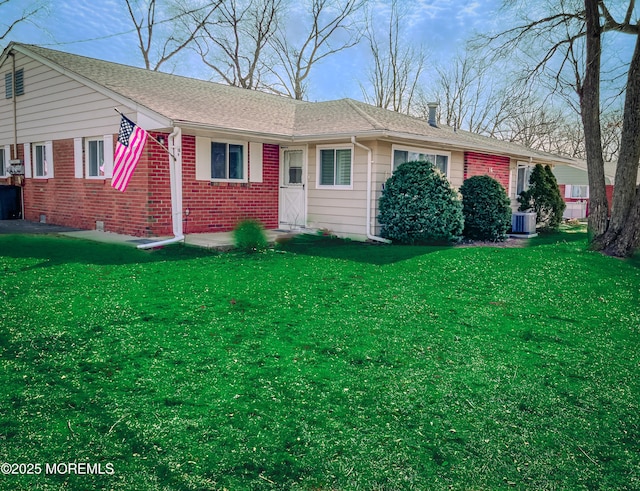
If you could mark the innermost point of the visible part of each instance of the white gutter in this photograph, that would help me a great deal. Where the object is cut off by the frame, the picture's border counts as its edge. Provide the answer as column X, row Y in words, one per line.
column 370, row 236
column 175, row 179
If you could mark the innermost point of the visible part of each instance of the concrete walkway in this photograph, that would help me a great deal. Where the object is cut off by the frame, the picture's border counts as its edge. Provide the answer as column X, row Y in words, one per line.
column 218, row 240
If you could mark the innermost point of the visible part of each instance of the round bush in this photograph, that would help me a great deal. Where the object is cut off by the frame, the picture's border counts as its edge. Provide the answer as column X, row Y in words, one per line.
column 486, row 208
column 249, row 235
column 418, row 205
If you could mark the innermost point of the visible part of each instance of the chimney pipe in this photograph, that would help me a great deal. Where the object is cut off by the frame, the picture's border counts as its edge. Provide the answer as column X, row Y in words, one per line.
column 433, row 107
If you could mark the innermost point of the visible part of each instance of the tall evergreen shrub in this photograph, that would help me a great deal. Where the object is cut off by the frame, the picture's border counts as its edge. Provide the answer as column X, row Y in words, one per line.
column 543, row 197
column 418, row 205
column 486, row 209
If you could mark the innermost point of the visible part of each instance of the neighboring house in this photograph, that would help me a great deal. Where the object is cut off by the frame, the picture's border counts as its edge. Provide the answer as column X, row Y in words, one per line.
column 239, row 153
column 574, row 186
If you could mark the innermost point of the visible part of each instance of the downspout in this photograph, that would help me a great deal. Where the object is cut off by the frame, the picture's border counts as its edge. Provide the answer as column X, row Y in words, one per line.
column 15, row 126
column 175, row 180
column 370, row 236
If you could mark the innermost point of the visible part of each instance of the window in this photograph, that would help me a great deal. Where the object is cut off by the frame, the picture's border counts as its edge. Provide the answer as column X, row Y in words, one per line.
column 439, row 159
column 3, row 163
column 580, row 192
column 227, row 161
column 334, row 166
column 523, row 175
column 94, row 151
column 8, row 83
column 40, row 160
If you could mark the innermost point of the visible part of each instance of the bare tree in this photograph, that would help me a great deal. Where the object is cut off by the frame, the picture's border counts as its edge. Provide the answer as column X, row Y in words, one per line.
column 234, row 44
column 569, row 37
column 7, row 24
column 185, row 23
column 397, row 65
column 331, row 28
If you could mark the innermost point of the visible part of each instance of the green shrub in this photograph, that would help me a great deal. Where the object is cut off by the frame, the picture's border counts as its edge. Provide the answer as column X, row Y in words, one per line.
column 486, row 209
column 248, row 235
column 543, row 197
column 418, row 205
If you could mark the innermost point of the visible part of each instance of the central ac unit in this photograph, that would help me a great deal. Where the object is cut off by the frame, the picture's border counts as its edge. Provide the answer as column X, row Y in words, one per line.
column 523, row 223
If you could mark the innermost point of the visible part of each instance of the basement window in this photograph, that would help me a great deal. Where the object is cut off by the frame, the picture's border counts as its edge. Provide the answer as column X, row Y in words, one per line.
column 8, row 84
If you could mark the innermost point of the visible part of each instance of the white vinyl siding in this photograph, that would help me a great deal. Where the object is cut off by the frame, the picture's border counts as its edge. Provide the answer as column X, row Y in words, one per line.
column 56, row 107
column 335, row 167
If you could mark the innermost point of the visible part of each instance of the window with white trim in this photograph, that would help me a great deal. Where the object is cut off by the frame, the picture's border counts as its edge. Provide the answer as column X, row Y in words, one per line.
column 40, row 164
column 94, row 157
column 580, row 192
column 440, row 160
column 335, row 166
column 227, row 161
column 221, row 161
column 523, row 174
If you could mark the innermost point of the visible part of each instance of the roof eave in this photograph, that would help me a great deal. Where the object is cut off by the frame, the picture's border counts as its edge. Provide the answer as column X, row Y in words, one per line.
column 194, row 127
column 492, row 149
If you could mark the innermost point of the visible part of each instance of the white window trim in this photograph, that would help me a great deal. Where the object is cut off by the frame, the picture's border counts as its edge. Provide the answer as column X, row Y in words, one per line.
column 520, row 165
column 345, row 146
column 404, row 148
column 573, row 187
column 207, row 157
column 48, row 154
column 86, row 157
column 5, row 159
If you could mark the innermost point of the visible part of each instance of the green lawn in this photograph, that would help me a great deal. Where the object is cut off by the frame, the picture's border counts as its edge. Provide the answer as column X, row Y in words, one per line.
column 324, row 365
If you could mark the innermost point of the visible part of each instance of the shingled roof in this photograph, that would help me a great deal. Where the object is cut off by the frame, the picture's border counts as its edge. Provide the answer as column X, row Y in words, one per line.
column 193, row 102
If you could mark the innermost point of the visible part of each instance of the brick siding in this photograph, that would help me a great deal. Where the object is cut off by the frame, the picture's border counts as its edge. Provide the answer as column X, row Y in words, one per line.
column 479, row 164
column 144, row 209
column 219, row 206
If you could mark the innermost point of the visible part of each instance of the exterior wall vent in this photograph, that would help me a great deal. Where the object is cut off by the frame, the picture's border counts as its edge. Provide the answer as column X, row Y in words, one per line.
column 8, row 84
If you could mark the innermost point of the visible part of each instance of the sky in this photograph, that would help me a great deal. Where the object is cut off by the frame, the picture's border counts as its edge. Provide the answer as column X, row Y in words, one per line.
column 103, row 29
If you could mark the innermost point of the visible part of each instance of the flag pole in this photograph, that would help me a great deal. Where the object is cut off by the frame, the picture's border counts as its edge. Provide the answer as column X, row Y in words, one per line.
column 152, row 137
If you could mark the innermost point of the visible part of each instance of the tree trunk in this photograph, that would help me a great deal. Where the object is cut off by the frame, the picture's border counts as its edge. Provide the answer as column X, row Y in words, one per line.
column 624, row 213
column 628, row 240
column 590, row 112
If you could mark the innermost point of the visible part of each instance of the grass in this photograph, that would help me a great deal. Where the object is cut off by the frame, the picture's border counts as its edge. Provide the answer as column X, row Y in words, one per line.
column 325, row 365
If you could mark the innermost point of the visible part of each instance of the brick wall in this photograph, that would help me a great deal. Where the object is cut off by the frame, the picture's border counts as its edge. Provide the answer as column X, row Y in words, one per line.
column 217, row 207
column 479, row 164
column 143, row 210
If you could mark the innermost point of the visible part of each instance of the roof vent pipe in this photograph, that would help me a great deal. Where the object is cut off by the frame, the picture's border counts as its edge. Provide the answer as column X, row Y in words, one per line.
column 433, row 107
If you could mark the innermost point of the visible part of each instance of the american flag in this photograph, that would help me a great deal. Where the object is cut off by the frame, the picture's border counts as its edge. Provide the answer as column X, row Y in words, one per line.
column 131, row 140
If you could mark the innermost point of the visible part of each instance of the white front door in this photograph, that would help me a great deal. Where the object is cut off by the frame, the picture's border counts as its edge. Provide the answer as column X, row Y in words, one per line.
column 292, row 187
